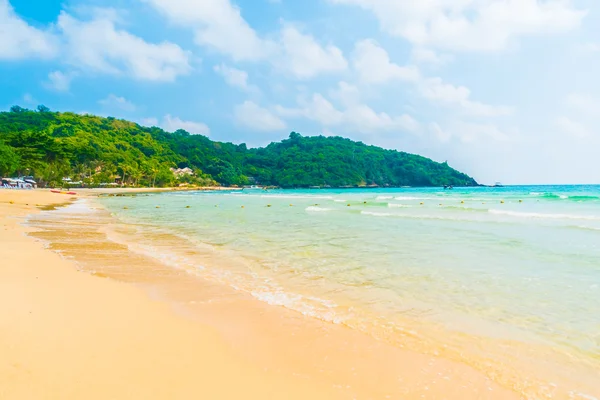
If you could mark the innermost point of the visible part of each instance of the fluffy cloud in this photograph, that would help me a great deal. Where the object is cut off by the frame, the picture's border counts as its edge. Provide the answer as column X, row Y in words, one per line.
column 59, row 81
column 373, row 65
column 421, row 55
column 217, row 24
column 356, row 116
column 584, row 103
column 117, row 102
column 573, row 128
column 171, row 124
column 305, row 58
column 98, row 46
column 470, row 25
column 233, row 76
column 18, row 40
column 251, row 115
column 459, row 96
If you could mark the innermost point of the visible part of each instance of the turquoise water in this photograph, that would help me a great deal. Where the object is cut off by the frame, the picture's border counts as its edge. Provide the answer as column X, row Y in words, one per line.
column 518, row 264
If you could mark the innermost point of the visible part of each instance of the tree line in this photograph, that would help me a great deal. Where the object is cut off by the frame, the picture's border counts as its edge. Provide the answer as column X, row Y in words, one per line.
column 96, row 150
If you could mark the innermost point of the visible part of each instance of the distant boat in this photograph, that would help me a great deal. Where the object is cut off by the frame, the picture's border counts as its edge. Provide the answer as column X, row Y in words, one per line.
column 498, row 184
column 253, row 187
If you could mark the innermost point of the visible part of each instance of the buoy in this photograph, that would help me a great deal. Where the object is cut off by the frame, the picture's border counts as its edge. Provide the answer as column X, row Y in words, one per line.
column 520, row 201
column 441, row 204
column 124, row 208
column 268, row 205
column 291, row 205
column 347, row 205
column 187, row 207
column 242, row 206
column 157, row 206
column 11, row 202
column 501, row 201
column 422, row 203
column 462, row 202
column 364, row 202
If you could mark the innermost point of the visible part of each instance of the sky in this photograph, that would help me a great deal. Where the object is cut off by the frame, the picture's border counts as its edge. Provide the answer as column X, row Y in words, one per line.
column 504, row 90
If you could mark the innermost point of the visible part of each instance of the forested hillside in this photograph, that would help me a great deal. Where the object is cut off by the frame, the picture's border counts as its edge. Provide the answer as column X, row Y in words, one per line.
column 95, row 150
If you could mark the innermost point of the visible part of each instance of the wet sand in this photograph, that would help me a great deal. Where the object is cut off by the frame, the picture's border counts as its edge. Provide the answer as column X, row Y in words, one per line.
column 153, row 332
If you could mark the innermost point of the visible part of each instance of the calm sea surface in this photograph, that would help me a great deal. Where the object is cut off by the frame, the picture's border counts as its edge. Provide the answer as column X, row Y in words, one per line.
column 487, row 271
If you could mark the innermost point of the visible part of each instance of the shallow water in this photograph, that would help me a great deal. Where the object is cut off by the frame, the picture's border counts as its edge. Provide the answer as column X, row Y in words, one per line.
column 505, row 279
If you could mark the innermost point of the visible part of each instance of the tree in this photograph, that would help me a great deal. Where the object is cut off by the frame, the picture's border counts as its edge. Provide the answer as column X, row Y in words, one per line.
column 17, row 109
column 42, row 108
column 9, row 159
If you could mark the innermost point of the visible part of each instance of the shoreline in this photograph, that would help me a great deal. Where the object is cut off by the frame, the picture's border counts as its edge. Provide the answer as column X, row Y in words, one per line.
column 70, row 335
column 330, row 357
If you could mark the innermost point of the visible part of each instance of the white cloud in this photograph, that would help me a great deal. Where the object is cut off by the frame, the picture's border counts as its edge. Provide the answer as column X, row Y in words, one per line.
column 572, row 128
column 459, row 96
column 117, row 102
column 373, row 65
column 346, row 94
column 18, row 40
column 217, row 24
column 422, row 55
column 470, row 132
column 171, row 124
column 98, row 46
column 251, row 115
column 59, row 81
column 151, row 121
column 235, row 77
column 471, row 25
column 584, row 103
column 439, row 133
column 304, row 57
column 357, row 117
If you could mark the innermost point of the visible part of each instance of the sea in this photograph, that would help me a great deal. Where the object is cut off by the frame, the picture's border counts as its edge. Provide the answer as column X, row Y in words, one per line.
column 506, row 279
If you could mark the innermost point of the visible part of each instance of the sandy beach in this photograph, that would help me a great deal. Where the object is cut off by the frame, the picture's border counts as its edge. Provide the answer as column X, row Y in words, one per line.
column 67, row 334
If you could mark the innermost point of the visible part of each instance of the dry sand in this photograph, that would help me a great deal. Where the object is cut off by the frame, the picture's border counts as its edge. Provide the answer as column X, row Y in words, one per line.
column 66, row 334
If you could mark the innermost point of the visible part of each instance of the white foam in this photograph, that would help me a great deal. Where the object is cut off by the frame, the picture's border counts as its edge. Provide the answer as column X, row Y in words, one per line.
column 283, row 196
column 340, row 200
column 542, row 216
column 384, row 197
column 317, row 209
column 396, row 205
column 413, row 198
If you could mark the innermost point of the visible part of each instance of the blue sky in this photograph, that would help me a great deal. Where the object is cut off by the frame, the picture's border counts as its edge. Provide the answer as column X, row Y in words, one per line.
column 505, row 90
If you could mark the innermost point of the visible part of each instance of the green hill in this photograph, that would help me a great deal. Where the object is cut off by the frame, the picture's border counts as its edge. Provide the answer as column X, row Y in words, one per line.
column 95, row 150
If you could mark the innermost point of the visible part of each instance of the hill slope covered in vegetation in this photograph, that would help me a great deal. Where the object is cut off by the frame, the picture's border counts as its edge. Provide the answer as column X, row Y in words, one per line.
column 52, row 145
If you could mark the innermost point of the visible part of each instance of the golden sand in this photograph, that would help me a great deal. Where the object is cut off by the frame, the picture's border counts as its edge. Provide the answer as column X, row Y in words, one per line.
column 73, row 334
